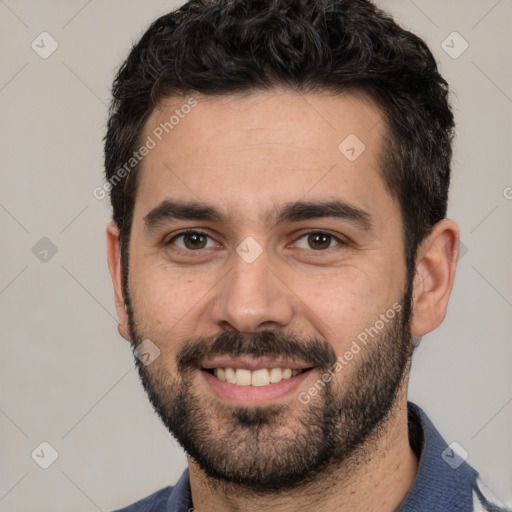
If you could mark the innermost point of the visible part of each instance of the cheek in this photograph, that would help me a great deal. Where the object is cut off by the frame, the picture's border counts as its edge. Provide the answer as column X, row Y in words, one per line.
column 166, row 304
column 341, row 307
column 160, row 316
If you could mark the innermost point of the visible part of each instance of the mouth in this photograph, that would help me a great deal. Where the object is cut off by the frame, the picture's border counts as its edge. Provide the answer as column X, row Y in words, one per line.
column 249, row 380
column 259, row 377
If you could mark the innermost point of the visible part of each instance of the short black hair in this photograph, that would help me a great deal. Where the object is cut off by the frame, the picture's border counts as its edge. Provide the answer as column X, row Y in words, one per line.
column 221, row 47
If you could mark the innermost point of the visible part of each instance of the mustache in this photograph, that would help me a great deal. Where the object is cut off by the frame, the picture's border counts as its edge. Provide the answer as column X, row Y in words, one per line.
column 313, row 351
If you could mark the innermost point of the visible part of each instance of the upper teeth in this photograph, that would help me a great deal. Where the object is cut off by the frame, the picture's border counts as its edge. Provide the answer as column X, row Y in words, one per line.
column 262, row 377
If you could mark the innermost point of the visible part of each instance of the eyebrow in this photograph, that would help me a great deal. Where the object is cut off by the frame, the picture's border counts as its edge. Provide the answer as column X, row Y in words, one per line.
column 170, row 210
column 337, row 209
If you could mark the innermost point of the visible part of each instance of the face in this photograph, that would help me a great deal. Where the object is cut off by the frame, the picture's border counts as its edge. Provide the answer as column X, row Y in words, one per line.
column 262, row 260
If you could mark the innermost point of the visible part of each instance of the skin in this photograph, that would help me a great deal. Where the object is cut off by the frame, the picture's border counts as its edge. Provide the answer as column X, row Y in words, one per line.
column 247, row 156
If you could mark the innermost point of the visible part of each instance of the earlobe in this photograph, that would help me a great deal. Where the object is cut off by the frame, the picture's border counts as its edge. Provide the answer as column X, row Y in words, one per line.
column 115, row 268
column 436, row 262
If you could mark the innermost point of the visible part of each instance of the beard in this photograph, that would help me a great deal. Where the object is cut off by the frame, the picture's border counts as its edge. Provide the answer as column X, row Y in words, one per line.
column 265, row 449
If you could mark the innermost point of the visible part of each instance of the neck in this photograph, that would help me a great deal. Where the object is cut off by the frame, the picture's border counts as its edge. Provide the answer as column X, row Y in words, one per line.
column 376, row 478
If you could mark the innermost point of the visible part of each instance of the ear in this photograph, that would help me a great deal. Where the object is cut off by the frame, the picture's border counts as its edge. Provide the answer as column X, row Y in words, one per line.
column 435, row 272
column 114, row 265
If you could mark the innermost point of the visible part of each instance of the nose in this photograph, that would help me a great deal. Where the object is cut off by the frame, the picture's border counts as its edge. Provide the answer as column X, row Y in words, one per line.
column 252, row 297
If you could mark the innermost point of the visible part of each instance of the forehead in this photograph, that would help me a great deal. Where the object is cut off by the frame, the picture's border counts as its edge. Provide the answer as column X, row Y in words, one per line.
column 265, row 147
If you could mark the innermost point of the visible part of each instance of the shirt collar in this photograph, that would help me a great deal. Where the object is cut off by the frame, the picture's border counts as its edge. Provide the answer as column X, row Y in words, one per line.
column 444, row 481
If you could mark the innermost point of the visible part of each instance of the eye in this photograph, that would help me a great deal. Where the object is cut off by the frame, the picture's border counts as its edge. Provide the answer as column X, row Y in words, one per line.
column 192, row 240
column 318, row 241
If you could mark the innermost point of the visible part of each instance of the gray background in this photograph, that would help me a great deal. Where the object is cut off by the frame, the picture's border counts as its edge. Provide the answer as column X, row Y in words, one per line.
column 67, row 378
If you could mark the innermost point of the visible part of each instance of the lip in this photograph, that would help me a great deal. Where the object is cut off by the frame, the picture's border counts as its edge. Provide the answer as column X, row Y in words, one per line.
column 252, row 363
column 255, row 395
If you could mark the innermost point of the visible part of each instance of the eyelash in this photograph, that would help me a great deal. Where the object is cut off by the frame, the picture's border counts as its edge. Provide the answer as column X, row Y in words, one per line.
column 203, row 233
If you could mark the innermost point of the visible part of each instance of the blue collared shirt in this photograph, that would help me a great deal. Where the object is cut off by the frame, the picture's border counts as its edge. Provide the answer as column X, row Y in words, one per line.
column 444, row 481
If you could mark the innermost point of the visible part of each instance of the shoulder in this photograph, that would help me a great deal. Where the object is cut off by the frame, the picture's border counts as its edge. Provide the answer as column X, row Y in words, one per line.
column 156, row 502
column 444, row 481
column 176, row 499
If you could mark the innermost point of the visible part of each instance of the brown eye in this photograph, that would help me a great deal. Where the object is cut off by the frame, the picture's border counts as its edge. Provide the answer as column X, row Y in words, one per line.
column 318, row 241
column 192, row 241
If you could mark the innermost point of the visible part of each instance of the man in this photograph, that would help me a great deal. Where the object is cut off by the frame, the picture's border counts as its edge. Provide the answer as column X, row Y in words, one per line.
column 279, row 176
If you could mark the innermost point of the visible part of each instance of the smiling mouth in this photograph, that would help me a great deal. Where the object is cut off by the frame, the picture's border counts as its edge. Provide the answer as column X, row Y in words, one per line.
column 259, row 377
